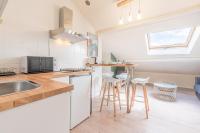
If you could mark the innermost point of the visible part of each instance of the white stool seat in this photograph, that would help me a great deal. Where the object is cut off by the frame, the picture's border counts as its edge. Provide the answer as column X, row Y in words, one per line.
column 111, row 80
column 105, row 75
column 122, row 76
column 141, row 81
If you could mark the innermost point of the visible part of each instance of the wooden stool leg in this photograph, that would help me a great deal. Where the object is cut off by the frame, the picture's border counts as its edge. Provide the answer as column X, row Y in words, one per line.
column 133, row 95
column 102, row 87
column 104, row 91
column 114, row 97
column 125, row 86
column 147, row 99
column 108, row 98
column 145, row 102
column 118, row 94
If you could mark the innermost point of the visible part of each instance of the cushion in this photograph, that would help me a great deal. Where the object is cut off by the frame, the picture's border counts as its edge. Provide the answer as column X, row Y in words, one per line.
column 142, row 81
column 104, row 75
column 122, row 76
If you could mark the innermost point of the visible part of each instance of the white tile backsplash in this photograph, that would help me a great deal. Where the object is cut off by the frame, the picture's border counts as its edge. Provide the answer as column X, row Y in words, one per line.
column 10, row 63
column 68, row 56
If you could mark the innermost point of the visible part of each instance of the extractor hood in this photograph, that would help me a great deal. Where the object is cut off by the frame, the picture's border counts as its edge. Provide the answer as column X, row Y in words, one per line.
column 65, row 31
column 2, row 7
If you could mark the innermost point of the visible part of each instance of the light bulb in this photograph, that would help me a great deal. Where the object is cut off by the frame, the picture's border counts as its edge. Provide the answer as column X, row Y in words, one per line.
column 121, row 21
column 139, row 15
column 130, row 18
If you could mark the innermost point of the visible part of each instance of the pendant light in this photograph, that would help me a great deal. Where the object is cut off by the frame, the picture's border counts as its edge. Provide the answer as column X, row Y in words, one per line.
column 130, row 18
column 139, row 14
column 121, row 20
column 130, row 15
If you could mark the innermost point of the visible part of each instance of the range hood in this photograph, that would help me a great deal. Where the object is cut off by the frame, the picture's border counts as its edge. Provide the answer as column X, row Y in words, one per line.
column 2, row 7
column 65, row 31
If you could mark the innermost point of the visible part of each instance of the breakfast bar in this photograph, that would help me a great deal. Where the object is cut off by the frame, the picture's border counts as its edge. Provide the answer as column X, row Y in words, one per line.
column 130, row 70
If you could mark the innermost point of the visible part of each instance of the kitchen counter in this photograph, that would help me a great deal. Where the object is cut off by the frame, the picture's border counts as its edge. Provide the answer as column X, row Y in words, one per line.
column 47, row 88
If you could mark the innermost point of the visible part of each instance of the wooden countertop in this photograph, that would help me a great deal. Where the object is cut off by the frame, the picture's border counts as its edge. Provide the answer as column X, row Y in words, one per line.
column 47, row 88
column 112, row 65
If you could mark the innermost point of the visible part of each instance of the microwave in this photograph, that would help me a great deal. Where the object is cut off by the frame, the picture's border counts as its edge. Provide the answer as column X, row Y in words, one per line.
column 35, row 64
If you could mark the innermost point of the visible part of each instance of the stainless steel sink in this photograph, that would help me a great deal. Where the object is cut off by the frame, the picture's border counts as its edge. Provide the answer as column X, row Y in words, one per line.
column 17, row 86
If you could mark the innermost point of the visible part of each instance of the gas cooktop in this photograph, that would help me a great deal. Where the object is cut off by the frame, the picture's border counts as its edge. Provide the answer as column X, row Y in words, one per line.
column 73, row 69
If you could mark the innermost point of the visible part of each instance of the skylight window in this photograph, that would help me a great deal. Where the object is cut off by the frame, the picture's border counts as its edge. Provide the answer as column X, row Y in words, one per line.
column 172, row 42
column 170, row 39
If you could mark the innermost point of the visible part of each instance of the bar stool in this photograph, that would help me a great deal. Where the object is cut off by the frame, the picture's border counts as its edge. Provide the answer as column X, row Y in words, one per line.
column 123, row 78
column 111, row 85
column 104, row 77
column 142, row 82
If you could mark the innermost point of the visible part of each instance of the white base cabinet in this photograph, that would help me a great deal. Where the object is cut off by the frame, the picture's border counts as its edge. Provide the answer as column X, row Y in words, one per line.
column 80, row 103
column 80, row 99
column 50, row 115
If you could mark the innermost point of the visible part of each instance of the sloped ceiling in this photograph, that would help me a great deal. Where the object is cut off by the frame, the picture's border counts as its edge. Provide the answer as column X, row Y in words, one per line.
column 104, row 14
column 130, row 45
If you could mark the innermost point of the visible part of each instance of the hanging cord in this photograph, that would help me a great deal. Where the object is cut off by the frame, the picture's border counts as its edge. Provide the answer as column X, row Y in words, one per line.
column 139, row 6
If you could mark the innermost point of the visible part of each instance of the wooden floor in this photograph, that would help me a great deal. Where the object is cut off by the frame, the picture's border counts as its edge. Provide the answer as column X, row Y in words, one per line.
column 182, row 116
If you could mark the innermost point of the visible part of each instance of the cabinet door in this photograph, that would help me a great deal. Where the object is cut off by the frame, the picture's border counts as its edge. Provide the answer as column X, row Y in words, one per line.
column 80, row 99
column 50, row 115
column 33, row 64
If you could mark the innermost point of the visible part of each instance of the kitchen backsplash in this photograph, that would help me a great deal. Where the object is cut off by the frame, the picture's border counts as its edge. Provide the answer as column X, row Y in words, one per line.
column 68, row 56
column 10, row 63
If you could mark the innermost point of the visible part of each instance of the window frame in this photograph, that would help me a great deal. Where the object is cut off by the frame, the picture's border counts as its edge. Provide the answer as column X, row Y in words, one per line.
column 185, row 45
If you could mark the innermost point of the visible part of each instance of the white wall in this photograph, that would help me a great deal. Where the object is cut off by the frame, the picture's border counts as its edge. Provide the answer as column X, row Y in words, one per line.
column 26, row 25
column 182, row 80
column 130, row 45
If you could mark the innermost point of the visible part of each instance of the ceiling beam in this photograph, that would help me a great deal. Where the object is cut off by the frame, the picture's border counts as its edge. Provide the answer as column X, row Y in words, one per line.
column 121, row 3
column 157, row 18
